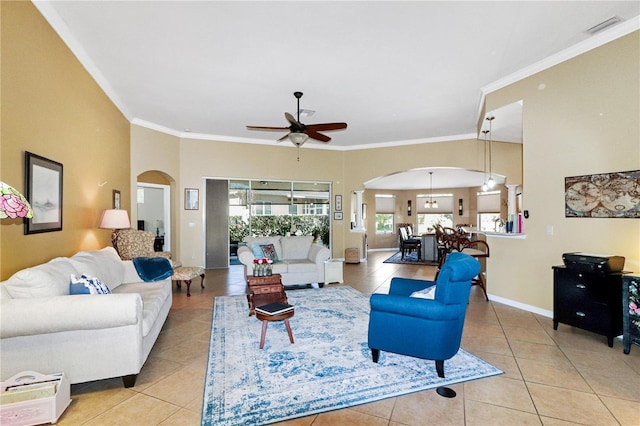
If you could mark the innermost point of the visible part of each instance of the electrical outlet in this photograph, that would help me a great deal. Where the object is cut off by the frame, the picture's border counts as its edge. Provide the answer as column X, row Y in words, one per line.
column 549, row 229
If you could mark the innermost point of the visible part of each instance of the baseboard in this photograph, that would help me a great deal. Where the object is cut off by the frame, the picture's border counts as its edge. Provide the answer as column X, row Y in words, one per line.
column 520, row 305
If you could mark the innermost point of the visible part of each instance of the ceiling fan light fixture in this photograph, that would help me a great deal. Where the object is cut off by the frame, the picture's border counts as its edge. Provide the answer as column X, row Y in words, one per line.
column 298, row 138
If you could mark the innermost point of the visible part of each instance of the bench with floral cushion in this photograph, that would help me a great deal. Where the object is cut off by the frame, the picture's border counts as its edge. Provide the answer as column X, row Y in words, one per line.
column 187, row 274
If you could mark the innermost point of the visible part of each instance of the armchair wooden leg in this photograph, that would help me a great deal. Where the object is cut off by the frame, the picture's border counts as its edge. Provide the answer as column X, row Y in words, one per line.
column 375, row 355
column 443, row 390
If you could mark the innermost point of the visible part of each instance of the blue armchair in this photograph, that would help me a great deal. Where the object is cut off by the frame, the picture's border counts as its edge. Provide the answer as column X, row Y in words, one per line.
column 423, row 328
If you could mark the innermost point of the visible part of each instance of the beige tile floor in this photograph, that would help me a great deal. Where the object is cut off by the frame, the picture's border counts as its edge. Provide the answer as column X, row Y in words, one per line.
column 561, row 377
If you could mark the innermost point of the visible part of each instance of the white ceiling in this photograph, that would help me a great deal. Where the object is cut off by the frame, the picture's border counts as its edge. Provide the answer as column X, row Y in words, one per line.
column 396, row 72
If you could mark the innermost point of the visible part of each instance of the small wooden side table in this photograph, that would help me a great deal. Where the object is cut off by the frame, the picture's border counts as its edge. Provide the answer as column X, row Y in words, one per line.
column 264, row 290
column 268, row 318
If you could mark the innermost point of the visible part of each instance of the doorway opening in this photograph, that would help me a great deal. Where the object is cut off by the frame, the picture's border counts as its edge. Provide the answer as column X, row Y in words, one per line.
column 154, row 212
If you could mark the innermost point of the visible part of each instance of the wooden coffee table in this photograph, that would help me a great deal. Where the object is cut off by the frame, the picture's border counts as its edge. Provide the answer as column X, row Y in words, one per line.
column 268, row 318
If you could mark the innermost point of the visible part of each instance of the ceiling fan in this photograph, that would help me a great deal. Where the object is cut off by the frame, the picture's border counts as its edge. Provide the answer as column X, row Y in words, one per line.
column 299, row 132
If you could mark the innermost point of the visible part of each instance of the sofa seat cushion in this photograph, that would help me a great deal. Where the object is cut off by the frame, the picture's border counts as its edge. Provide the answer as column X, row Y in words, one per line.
column 153, row 294
column 296, row 247
column 300, row 265
column 45, row 280
column 280, row 268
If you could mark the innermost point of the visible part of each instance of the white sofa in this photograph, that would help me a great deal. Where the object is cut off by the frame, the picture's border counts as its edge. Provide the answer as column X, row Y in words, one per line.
column 88, row 337
column 300, row 261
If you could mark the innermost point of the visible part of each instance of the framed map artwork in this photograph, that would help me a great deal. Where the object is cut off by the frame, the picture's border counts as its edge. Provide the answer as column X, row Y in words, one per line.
column 615, row 195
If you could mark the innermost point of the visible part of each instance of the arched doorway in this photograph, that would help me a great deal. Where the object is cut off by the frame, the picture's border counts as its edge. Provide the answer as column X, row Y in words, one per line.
column 154, row 198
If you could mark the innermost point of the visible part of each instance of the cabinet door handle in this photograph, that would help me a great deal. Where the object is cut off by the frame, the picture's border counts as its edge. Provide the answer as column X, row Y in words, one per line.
column 581, row 314
column 581, row 286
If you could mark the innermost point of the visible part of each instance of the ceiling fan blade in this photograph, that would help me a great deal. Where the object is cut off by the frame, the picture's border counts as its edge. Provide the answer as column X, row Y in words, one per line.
column 283, row 138
column 317, row 136
column 323, row 127
column 291, row 119
column 268, row 128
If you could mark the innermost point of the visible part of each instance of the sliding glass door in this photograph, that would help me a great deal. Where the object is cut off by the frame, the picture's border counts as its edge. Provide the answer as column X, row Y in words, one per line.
column 268, row 207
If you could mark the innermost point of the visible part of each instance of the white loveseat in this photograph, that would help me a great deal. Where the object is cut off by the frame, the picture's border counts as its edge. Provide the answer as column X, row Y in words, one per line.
column 300, row 261
column 88, row 337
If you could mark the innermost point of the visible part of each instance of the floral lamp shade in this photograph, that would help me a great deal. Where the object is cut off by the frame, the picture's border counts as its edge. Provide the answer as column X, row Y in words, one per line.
column 13, row 204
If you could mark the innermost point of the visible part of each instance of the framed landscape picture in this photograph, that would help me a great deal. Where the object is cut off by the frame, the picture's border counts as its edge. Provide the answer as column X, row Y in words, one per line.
column 116, row 199
column 43, row 183
column 191, row 199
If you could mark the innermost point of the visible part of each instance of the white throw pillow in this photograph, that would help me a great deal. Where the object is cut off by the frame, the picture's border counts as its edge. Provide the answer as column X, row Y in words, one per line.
column 104, row 263
column 427, row 293
column 45, row 280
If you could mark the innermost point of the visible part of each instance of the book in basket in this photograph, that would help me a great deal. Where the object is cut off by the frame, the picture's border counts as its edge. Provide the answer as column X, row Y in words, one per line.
column 274, row 308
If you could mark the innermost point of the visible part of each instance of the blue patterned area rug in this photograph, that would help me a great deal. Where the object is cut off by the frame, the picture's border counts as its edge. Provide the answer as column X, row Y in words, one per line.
column 409, row 259
column 329, row 366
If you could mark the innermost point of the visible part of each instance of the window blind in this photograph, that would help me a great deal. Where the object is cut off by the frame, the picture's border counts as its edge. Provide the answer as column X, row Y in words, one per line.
column 489, row 202
column 385, row 204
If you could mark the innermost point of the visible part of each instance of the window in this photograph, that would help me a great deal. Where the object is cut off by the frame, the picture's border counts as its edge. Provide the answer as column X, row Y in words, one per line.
column 489, row 211
column 427, row 217
column 385, row 213
column 427, row 220
column 489, row 222
column 262, row 207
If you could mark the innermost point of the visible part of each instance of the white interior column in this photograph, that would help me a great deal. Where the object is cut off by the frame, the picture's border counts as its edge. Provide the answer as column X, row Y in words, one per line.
column 359, row 224
column 511, row 200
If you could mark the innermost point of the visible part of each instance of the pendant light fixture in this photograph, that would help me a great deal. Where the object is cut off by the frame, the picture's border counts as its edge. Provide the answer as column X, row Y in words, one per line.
column 490, row 183
column 485, row 185
column 430, row 204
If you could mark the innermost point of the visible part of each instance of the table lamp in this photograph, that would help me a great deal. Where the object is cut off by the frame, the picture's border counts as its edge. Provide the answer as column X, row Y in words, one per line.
column 13, row 204
column 114, row 219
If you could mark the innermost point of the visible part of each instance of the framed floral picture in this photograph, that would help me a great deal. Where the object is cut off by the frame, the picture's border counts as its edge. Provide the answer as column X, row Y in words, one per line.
column 338, row 202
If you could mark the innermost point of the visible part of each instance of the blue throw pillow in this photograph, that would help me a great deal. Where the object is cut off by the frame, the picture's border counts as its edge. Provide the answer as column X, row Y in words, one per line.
column 257, row 251
column 87, row 285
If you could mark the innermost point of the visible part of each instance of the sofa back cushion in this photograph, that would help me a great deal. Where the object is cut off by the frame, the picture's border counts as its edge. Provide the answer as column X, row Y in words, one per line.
column 103, row 264
column 254, row 244
column 45, row 280
column 296, row 247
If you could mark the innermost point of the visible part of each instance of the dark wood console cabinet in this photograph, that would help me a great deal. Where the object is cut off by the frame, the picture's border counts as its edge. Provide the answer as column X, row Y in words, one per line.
column 630, row 312
column 588, row 300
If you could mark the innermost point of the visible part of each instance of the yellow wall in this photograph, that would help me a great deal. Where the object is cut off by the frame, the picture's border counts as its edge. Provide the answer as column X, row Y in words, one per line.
column 584, row 120
column 53, row 108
